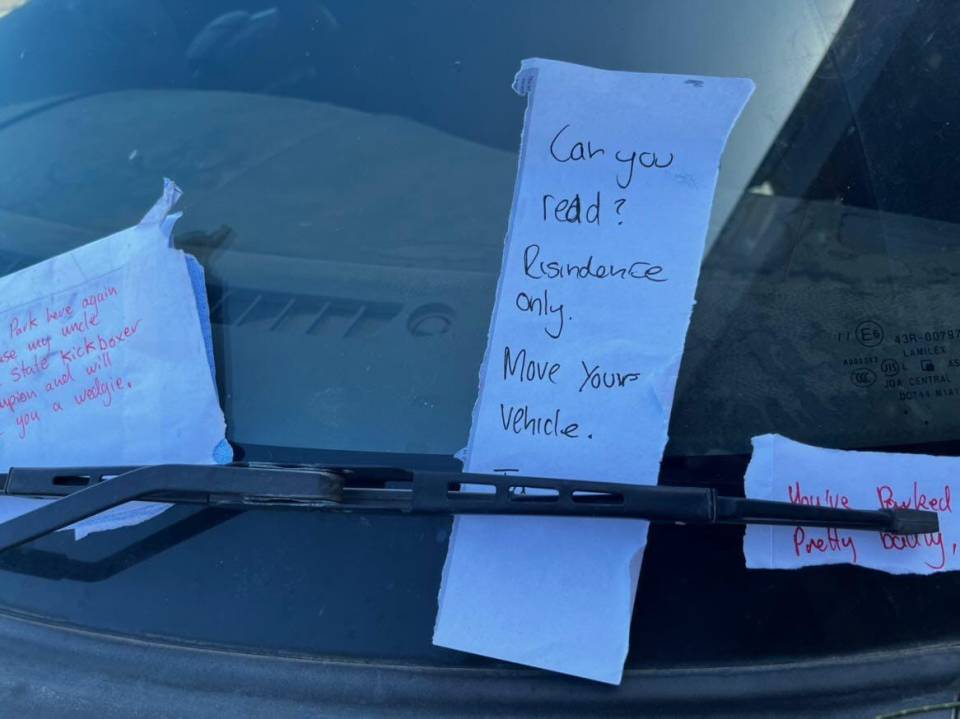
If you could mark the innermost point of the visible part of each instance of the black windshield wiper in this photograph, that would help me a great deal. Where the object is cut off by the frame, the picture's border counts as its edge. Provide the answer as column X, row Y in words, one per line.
column 86, row 491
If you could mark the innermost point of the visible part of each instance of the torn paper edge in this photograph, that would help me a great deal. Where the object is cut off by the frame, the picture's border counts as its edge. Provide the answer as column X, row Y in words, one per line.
column 159, row 216
column 523, row 84
column 758, row 484
column 661, row 382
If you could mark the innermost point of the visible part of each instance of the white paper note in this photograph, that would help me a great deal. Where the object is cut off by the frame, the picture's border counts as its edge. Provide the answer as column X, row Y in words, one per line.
column 787, row 471
column 613, row 194
column 105, row 358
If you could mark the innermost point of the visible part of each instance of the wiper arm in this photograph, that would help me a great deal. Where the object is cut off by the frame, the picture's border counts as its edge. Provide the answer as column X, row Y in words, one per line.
column 85, row 491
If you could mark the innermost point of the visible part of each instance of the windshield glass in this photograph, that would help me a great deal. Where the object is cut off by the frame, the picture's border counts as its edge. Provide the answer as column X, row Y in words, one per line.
column 348, row 168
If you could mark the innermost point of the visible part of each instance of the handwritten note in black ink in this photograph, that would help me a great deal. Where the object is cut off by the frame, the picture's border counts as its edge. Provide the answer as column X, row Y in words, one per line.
column 610, row 211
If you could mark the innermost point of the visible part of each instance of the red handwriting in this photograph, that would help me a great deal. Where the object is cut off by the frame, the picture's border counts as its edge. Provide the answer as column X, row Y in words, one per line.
column 62, row 313
column 10, row 401
column 84, row 333
column 834, row 541
column 123, row 335
column 828, row 499
column 918, row 500
column 94, row 300
column 77, row 351
column 24, row 370
column 61, row 381
column 18, row 327
column 101, row 390
column 39, row 343
column 90, row 320
column 101, row 363
column 901, row 542
column 88, row 346
column 25, row 420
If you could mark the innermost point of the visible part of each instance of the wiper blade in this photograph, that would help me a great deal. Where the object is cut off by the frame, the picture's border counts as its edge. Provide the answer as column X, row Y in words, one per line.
column 85, row 491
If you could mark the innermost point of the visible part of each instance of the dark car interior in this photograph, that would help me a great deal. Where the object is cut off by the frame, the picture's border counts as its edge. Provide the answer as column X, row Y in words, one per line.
column 348, row 169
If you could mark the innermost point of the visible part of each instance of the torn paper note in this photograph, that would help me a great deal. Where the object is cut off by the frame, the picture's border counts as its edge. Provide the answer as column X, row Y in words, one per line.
column 126, row 515
column 105, row 358
column 787, row 471
column 613, row 193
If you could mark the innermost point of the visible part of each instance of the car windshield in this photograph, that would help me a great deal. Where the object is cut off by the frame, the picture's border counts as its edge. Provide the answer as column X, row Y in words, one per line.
column 348, row 168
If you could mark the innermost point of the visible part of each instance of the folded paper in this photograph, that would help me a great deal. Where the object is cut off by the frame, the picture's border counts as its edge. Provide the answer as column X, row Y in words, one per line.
column 105, row 359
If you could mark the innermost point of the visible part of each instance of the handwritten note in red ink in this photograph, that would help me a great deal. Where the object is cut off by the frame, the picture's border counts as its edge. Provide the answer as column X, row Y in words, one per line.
column 789, row 471
column 103, row 358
